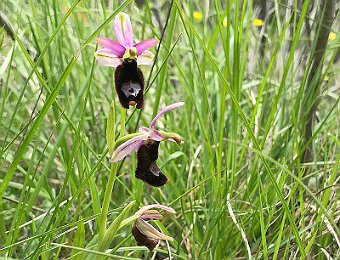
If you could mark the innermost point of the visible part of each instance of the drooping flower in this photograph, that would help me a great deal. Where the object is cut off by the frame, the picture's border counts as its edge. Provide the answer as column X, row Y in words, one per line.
column 144, row 233
column 147, row 143
column 147, row 169
column 126, row 57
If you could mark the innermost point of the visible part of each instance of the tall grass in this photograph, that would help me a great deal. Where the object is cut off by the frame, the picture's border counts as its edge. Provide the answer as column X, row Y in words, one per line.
column 257, row 100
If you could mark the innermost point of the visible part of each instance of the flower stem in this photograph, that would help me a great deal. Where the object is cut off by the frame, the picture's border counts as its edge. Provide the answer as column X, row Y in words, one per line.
column 122, row 121
column 110, row 184
column 106, row 202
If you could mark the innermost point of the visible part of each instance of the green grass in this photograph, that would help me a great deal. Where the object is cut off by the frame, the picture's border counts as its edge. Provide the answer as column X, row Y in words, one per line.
column 240, row 182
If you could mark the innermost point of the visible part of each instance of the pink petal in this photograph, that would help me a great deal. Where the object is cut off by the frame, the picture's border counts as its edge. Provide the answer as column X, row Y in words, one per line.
column 163, row 111
column 145, row 45
column 150, row 231
column 118, row 49
column 144, row 129
column 123, row 29
column 156, row 206
column 155, row 135
column 146, row 58
column 151, row 215
column 128, row 147
column 172, row 140
column 107, row 57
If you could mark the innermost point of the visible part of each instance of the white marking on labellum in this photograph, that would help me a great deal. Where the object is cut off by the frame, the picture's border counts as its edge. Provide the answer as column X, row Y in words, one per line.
column 131, row 88
column 154, row 169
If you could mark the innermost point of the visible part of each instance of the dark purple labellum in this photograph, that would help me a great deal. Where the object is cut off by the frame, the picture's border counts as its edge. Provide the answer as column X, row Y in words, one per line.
column 147, row 169
column 129, row 83
column 143, row 240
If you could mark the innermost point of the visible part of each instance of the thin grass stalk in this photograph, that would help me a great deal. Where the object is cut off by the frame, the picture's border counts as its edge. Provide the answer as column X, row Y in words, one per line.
column 171, row 21
column 312, row 92
column 186, row 22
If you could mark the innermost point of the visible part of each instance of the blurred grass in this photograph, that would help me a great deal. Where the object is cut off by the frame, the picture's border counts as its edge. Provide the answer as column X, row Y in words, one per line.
column 243, row 88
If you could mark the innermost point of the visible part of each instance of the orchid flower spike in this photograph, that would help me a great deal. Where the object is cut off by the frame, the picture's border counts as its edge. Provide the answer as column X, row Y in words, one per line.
column 126, row 57
column 147, row 143
column 144, row 233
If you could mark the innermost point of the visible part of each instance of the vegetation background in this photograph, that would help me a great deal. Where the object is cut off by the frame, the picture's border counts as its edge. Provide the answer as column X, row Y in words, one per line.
column 258, row 173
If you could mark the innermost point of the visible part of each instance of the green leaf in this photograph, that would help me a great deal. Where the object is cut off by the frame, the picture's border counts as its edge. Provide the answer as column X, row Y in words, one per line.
column 114, row 227
column 79, row 241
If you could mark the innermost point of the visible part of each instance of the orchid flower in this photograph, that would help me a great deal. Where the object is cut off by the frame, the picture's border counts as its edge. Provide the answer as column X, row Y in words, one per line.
column 147, row 142
column 144, row 233
column 126, row 57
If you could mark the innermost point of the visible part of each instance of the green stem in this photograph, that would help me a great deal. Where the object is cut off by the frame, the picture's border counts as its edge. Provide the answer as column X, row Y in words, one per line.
column 110, row 184
column 122, row 121
column 106, row 202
